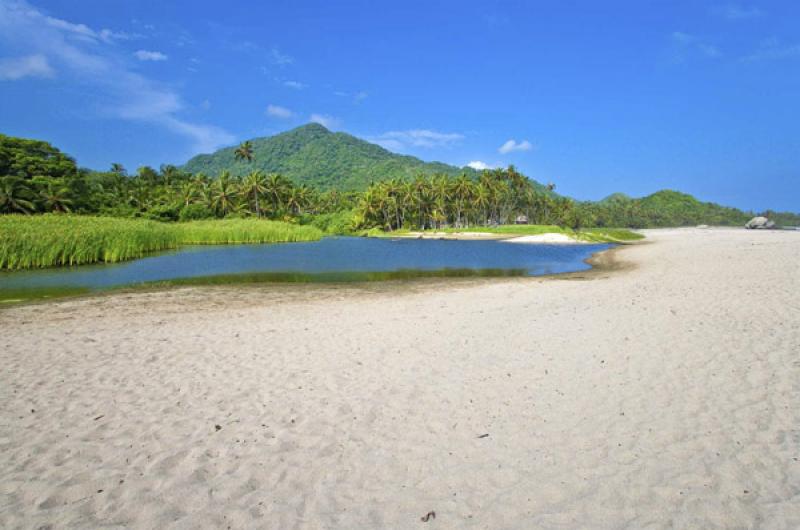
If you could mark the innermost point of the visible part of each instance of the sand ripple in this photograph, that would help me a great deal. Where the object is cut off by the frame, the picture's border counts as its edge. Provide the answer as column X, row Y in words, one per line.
column 661, row 397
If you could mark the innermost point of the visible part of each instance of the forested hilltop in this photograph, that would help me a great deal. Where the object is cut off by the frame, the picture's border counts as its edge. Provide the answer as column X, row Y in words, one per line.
column 36, row 177
column 314, row 156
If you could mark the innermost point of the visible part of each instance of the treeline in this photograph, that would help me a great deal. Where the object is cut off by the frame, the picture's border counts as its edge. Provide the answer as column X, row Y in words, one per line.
column 37, row 178
column 500, row 196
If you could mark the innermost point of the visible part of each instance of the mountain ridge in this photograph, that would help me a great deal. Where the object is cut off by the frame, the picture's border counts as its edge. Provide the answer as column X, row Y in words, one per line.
column 313, row 155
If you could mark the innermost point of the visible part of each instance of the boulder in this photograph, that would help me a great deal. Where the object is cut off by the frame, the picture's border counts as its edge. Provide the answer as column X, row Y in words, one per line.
column 759, row 223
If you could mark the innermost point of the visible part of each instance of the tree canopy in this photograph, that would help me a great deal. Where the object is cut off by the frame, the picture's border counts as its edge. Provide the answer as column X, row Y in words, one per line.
column 35, row 177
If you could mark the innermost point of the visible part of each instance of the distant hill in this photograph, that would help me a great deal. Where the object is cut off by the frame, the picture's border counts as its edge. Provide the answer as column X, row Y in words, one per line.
column 315, row 156
column 618, row 197
column 673, row 208
column 666, row 208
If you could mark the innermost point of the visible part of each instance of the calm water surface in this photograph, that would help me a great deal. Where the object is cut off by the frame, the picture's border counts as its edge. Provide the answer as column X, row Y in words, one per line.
column 324, row 259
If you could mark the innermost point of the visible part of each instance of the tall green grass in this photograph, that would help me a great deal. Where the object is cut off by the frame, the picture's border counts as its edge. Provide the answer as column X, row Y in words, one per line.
column 53, row 240
column 48, row 240
column 232, row 231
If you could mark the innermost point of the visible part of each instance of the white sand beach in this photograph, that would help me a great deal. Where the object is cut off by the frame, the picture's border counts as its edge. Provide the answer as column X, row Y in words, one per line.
column 550, row 238
column 660, row 392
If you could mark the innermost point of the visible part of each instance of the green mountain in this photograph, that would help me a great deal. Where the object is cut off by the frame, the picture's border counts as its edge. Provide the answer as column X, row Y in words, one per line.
column 673, row 208
column 615, row 198
column 664, row 208
column 315, row 156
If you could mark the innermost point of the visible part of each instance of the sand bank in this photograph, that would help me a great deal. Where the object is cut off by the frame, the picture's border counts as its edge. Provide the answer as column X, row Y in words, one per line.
column 663, row 395
column 454, row 235
column 550, row 238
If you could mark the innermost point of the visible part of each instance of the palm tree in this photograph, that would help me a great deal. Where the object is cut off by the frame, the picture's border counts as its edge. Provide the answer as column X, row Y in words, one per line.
column 55, row 197
column 481, row 200
column 300, row 198
column 14, row 196
column 276, row 189
column 253, row 186
column 223, row 194
column 188, row 192
column 463, row 190
column 118, row 169
column 244, row 152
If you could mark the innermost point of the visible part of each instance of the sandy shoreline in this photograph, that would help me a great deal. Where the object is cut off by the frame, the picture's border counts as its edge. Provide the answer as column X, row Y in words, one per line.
column 662, row 393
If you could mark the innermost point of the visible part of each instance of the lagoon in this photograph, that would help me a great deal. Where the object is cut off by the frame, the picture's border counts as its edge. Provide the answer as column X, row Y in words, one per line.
column 331, row 259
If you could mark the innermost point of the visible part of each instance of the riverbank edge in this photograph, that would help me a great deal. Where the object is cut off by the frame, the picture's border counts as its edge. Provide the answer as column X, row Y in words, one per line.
column 603, row 263
column 547, row 238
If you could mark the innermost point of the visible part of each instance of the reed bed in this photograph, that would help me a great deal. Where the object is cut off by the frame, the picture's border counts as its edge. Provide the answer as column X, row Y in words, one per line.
column 233, row 231
column 56, row 240
column 52, row 240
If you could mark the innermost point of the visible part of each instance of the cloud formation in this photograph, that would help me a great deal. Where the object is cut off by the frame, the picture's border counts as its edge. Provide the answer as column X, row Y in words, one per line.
column 83, row 55
column 358, row 97
column 773, row 49
column 145, row 55
column 325, row 120
column 400, row 140
column 279, row 112
column 15, row 68
column 512, row 145
column 737, row 12
column 685, row 42
column 297, row 85
column 479, row 166
column 277, row 58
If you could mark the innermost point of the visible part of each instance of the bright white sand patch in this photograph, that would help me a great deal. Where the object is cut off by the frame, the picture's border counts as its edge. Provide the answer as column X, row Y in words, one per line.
column 544, row 238
column 665, row 396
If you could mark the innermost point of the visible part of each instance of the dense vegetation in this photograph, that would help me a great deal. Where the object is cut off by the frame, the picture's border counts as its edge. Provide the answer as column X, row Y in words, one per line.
column 50, row 240
column 37, row 178
column 314, row 156
column 663, row 208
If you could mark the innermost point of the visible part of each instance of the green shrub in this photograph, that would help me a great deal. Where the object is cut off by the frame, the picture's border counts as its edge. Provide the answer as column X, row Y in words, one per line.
column 194, row 212
column 338, row 223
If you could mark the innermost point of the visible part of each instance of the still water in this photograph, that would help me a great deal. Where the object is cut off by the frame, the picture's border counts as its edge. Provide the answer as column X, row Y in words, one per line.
column 331, row 259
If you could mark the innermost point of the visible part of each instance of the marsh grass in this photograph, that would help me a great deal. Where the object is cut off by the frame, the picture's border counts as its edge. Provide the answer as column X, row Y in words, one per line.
column 55, row 240
column 48, row 240
column 232, row 231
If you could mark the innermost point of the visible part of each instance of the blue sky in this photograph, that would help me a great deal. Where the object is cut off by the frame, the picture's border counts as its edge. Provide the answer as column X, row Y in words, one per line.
column 596, row 97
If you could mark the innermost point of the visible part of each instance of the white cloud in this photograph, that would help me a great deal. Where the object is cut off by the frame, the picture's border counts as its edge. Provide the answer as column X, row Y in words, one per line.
column 145, row 55
column 279, row 112
column 358, row 97
column 773, row 49
column 737, row 12
column 86, row 60
column 15, row 68
column 513, row 145
column 325, row 120
column 478, row 165
column 691, row 43
column 281, row 59
column 84, row 32
column 400, row 140
column 295, row 85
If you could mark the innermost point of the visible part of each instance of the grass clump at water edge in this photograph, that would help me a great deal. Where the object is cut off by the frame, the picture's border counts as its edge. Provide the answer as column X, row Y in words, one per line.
column 48, row 240
column 55, row 240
